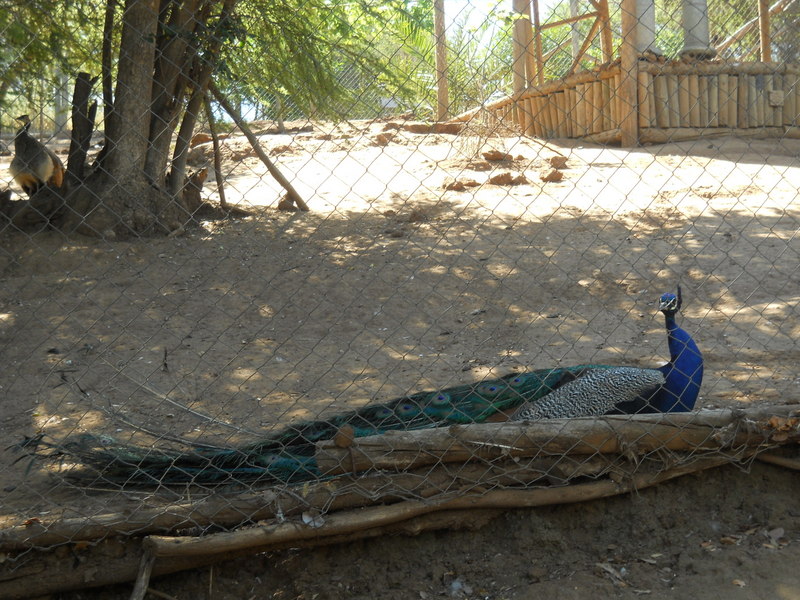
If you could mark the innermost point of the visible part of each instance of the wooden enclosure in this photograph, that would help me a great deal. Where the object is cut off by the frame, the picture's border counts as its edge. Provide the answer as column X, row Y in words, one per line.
column 640, row 97
column 673, row 101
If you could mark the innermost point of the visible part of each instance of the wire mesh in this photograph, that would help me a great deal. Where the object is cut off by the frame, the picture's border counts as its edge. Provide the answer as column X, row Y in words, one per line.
column 253, row 361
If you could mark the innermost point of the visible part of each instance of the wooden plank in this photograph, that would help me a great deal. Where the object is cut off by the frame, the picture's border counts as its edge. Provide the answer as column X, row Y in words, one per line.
column 646, row 116
column 674, row 100
column 789, row 99
column 712, row 93
column 572, row 103
column 723, row 100
column 560, row 107
column 776, row 89
column 583, row 109
column 733, row 105
column 684, row 107
column 661, row 99
column 705, row 101
column 695, row 113
column 743, row 114
column 754, row 105
column 596, row 121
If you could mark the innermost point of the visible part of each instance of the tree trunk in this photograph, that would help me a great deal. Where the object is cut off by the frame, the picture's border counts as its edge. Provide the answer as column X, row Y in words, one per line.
column 118, row 199
column 170, row 84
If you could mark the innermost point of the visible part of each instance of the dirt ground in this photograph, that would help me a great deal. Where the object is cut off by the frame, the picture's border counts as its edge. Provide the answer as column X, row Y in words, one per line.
column 394, row 284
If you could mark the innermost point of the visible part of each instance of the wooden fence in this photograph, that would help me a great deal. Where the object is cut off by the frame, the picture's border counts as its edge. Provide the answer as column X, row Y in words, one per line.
column 674, row 101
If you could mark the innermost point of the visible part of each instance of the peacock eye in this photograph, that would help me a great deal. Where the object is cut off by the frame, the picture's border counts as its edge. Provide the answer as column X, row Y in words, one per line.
column 440, row 399
column 383, row 413
column 517, row 380
column 490, row 389
column 406, row 409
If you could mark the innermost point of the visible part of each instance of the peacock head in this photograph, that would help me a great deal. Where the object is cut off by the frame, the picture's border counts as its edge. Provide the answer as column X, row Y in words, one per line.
column 670, row 303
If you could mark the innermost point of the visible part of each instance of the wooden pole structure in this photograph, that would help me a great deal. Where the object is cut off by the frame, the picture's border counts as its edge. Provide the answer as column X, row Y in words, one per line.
column 442, row 87
column 763, row 30
column 629, row 68
column 737, row 35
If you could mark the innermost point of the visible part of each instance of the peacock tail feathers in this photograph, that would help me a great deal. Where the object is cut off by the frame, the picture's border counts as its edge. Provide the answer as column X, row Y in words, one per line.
column 467, row 403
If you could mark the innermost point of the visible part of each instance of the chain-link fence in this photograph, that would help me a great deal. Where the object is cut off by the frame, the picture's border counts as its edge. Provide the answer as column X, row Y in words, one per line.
column 188, row 351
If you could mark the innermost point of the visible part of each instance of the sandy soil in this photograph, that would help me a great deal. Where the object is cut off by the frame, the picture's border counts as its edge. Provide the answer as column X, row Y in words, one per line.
column 392, row 284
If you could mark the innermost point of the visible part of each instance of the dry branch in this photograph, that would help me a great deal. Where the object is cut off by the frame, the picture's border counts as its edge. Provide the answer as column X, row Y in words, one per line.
column 267, row 536
column 231, row 510
column 273, row 170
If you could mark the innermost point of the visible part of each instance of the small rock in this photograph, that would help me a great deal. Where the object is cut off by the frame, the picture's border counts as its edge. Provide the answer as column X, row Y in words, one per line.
column 383, row 139
column 459, row 185
column 287, row 204
column 280, row 150
column 557, row 162
column 551, row 175
column 496, row 155
column 507, row 178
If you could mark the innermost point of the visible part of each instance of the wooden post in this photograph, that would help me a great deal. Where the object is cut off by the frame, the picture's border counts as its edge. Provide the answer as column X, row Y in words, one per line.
column 537, row 76
column 763, row 30
column 629, row 68
column 442, row 88
column 521, row 43
column 606, row 38
column 519, row 49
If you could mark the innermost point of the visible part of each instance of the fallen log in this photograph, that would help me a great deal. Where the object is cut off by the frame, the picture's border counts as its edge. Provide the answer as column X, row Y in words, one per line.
column 622, row 434
column 232, row 510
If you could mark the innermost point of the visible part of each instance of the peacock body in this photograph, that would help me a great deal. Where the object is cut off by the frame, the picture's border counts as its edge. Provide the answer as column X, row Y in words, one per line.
column 288, row 456
column 597, row 392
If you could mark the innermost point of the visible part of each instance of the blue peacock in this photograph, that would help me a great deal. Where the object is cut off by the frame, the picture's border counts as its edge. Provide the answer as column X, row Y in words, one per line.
column 288, row 456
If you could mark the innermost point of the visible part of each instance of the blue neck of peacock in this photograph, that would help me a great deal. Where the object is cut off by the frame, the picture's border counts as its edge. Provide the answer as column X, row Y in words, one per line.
column 683, row 372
